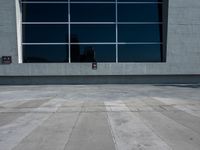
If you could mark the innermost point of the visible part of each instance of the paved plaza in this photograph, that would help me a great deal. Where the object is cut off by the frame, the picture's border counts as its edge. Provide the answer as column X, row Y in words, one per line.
column 100, row 117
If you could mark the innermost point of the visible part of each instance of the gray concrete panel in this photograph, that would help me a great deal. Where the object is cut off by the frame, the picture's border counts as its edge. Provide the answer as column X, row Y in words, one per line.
column 153, row 79
column 51, row 135
column 91, row 132
column 118, row 117
column 173, row 133
column 183, row 55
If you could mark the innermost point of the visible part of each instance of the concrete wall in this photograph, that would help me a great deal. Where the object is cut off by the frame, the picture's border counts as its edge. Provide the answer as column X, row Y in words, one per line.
column 183, row 48
column 8, row 36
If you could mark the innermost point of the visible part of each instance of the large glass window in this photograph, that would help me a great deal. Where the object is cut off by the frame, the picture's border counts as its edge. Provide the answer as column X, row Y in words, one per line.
column 92, row 30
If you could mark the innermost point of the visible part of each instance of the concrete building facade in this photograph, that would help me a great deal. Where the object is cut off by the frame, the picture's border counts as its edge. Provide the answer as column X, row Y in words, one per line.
column 182, row 48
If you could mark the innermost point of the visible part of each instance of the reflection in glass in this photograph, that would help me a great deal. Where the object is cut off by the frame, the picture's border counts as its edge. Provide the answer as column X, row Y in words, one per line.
column 95, row 53
column 89, row 54
column 94, row 33
column 75, row 49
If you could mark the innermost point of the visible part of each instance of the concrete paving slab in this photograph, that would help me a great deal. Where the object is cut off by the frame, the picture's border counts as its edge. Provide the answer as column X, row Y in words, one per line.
column 116, row 106
column 53, row 134
column 73, row 103
column 94, row 109
column 33, row 103
column 11, row 134
column 131, row 133
column 69, row 109
column 11, row 104
column 195, row 107
column 174, row 134
column 94, row 106
column 139, row 105
column 118, row 117
column 176, row 100
column 184, row 119
column 6, row 118
column 94, row 103
column 188, row 110
column 91, row 132
column 11, row 111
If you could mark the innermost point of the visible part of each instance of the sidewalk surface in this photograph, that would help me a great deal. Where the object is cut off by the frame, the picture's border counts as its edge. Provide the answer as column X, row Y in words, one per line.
column 100, row 117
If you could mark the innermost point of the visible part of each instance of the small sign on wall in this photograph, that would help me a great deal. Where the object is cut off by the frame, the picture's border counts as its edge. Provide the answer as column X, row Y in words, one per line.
column 94, row 66
column 6, row 59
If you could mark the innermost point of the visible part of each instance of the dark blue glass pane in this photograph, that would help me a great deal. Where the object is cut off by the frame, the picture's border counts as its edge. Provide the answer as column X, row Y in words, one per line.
column 97, row 0
column 93, row 33
column 92, row 12
column 44, row 0
column 92, row 0
column 139, row 53
column 45, row 53
column 140, row 33
column 45, row 33
column 93, row 53
column 140, row 0
column 140, row 12
column 45, row 12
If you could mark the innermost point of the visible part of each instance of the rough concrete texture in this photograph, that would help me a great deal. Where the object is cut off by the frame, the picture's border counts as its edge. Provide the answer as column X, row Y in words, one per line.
column 100, row 117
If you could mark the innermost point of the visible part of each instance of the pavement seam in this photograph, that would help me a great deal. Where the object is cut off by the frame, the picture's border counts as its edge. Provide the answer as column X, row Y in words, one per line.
column 191, row 114
column 142, row 120
column 33, row 130
column 181, row 123
column 50, row 114
column 184, row 125
column 177, row 109
column 169, row 119
column 161, row 112
column 111, row 130
column 75, row 123
column 155, row 133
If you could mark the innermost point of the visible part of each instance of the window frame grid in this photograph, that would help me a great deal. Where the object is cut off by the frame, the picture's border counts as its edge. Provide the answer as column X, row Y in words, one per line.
column 69, row 23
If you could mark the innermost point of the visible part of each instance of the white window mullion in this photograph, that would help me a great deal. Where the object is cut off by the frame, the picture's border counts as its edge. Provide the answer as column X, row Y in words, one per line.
column 69, row 32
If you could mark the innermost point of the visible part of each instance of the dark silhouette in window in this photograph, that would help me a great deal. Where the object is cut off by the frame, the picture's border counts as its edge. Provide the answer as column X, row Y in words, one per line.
column 89, row 54
column 75, row 49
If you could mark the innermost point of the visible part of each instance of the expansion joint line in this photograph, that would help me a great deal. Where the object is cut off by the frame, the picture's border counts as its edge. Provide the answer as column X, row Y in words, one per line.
column 75, row 123
column 111, row 130
column 150, row 128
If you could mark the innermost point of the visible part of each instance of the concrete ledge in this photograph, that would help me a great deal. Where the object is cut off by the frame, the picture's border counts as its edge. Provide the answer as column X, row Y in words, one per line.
column 149, row 79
